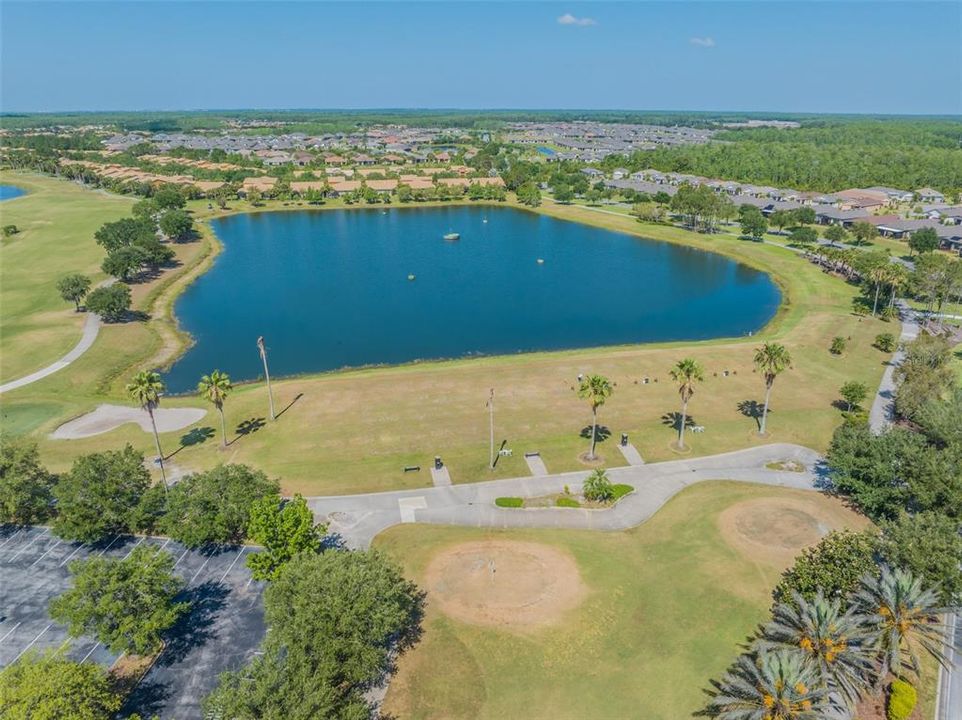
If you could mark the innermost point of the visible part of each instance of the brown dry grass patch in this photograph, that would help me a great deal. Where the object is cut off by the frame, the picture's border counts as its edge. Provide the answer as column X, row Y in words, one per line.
column 506, row 584
column 774, row 530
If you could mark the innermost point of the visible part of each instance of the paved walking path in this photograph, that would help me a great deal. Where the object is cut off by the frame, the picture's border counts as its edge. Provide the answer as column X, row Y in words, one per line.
column 883, row 407
column 91, row 328
column 358, row 518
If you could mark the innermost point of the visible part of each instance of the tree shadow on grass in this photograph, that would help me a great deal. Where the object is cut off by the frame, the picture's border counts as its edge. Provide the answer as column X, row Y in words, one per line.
column 673, row 420
column 196, row 436
column 195, row 627
column 248, row 427
column 290, row 404
column 752, row 409
column 602, row 433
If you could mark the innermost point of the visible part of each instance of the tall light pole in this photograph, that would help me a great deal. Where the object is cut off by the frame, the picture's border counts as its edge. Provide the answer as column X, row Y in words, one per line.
column 491, row 426
column 267, row 375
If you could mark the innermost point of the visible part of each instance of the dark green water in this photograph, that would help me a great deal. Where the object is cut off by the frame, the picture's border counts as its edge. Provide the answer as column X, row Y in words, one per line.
column 330, row 289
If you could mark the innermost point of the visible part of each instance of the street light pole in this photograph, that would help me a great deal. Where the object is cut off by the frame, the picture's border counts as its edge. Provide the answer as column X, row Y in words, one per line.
column 491, row 426
column 267, row 375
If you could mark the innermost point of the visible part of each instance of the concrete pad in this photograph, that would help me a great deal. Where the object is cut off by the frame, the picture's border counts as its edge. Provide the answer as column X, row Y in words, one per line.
column 108, row 417
column 407, row 506
column 536, row 465
column 441, row 478
column 631, row 454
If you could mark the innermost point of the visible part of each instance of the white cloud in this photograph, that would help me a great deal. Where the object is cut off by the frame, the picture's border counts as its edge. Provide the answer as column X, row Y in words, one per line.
column 702, row 41
column 569, row 19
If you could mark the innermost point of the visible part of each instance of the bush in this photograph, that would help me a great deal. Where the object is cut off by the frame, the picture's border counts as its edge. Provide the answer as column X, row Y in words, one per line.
column 598, row 487
column 838, row 345
column 509, row 502
column 9, row 230
column 885, row 342
column 835, row 565
column 567, row 502
column 901, row 700
column 621, row 490
column 25, row 485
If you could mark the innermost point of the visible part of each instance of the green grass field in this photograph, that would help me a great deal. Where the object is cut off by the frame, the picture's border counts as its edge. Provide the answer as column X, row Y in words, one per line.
column 668, row 604
column 57, row 221
column 354, row 431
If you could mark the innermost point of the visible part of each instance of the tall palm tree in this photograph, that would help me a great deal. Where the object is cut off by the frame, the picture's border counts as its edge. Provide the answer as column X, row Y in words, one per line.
column 898, row 278
column 879, row 275
column 686, row 373
column 768, row 685
column 267, row 375
column 905, row 617
column 145, row 388
column 215, row 388
column 771, row 359
column 836, row 643
column 596, row 389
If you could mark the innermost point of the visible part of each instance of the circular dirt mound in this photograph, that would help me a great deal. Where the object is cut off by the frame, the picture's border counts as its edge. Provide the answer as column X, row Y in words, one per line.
column 776, row 530
column 504, row 583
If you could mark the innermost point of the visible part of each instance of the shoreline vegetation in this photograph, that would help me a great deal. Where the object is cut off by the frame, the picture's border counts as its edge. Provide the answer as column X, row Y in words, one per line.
column 100, row 374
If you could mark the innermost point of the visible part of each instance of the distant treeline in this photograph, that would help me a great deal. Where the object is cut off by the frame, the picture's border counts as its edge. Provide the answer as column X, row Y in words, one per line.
column 905, row 154
column 321, row 121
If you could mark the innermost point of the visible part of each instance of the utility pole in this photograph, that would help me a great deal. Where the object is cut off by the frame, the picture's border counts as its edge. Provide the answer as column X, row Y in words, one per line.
column 267, row 375
column 491, row 426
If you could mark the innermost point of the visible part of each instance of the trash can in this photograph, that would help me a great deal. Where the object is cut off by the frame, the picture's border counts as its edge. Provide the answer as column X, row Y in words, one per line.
column 624, row 439
column 437, row 462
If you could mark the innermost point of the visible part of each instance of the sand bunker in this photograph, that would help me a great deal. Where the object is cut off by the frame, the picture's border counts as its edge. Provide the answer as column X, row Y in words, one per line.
column 107, row 417
column 508, row 584
column 776, row 530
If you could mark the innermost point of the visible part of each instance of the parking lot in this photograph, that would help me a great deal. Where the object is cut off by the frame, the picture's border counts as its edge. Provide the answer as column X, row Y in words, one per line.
column 221, row 632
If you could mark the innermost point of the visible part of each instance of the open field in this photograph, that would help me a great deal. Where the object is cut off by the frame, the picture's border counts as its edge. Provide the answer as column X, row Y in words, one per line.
column 353, row 431
column 57, row 221
column 662, row 610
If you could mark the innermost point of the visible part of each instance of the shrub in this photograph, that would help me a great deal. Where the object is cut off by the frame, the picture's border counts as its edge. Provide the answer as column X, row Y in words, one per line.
column 567, row 502
column 621, row 490
column 901, row 700
column 598, row 487
column 838, row 345
column 9, row 230
column 509, row 502
column 885, row 342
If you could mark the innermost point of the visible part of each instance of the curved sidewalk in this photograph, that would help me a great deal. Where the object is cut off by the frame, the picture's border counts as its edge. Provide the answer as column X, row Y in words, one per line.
column 90, row 331
column 359, row 518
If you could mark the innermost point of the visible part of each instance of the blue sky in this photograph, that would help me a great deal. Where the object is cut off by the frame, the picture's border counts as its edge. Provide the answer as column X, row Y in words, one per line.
column 870, row 57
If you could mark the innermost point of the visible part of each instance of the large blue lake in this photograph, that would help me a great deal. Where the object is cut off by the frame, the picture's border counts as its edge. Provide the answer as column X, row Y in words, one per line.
column 330, row 289
column 9, row 192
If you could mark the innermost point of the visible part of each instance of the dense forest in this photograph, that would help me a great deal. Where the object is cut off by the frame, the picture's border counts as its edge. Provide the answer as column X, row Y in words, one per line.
column 823, row 156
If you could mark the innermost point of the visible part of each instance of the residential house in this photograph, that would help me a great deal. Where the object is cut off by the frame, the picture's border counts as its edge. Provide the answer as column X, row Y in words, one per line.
column 928, row 195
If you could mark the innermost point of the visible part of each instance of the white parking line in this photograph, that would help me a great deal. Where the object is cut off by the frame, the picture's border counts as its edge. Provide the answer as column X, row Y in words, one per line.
column 116, row 538
column 67, row 559
column 10, row 538
column 10, row 631
column 232, row 565
column 181, row 557
column 21, row 550
column 53, row 547
column 96, row 645
column 191, row 581
column 32, row 642
column 165, row 543
column 132, row 549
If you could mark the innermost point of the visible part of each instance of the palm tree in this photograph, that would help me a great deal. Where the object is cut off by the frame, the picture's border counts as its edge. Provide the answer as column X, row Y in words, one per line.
column 904, row 616
column 897, row 279
column 686, row 373
column 145, row 388
column 267, row 375
column 769, row 685
column 215, row 388
column 596, row 389
column 878, row 275
column 836, row 644
column 771, row 359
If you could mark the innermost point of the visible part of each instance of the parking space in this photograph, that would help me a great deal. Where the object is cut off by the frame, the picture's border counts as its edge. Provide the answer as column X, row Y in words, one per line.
column 222, row 631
